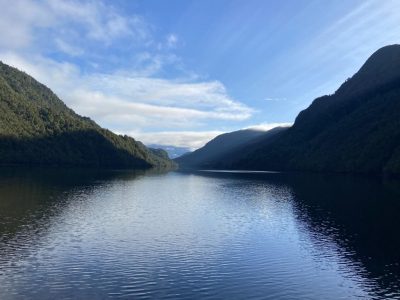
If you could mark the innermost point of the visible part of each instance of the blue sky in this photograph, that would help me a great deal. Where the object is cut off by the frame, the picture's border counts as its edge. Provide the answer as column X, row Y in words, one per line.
column 180, row 72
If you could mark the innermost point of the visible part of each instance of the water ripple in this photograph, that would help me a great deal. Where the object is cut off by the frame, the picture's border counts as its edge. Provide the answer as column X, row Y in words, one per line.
column 178, row 236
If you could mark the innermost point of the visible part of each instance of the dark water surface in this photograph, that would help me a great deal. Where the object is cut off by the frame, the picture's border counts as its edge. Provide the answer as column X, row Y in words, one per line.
column 98, row 235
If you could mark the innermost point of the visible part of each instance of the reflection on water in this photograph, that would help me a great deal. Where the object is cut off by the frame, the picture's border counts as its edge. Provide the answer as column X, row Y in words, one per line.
column 90, row 234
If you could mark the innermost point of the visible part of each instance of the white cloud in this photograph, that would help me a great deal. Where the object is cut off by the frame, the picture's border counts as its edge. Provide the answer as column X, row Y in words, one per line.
column 172, row 40
column 68, row 48
column 100, row 22
column 122, row 112
column 18, row 19
column 268, row 126
column 335, row 52
column 21, row 21
column 175, row 93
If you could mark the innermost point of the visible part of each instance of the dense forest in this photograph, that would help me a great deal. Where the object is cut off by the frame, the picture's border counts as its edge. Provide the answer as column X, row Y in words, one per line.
column 355, row 130
column 36, row 127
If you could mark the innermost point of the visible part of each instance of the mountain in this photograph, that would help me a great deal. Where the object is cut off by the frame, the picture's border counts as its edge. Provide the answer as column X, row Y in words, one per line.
column 223, row 148
column 36, row 127
column 356, row 130
column 173, row 151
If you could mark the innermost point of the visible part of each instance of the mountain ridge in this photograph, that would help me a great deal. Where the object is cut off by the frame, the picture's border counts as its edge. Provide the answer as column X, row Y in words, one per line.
column 354, row 130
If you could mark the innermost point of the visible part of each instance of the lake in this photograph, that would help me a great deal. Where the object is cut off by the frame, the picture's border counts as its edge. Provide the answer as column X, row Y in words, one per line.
column 77, row 234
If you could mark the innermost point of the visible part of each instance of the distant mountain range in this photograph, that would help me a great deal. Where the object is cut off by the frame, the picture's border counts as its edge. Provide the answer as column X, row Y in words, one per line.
column 173, row 151
column 355, row 130
column 37, row 128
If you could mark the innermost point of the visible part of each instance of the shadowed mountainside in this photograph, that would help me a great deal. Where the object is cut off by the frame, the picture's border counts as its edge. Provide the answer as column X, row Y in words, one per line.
column 225, row 148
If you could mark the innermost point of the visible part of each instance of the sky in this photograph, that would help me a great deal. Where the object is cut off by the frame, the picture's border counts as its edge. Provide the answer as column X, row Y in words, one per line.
column 180, row 72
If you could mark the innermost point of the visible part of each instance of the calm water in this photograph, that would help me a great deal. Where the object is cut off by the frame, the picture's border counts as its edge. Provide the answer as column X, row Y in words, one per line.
column 99, row 235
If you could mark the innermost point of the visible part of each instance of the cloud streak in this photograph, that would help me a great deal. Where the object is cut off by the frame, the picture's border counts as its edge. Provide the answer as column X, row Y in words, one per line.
column 337, row 50
column 21, row 23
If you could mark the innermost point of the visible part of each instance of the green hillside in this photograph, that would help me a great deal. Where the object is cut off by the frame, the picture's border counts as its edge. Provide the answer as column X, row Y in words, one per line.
column 36, row 127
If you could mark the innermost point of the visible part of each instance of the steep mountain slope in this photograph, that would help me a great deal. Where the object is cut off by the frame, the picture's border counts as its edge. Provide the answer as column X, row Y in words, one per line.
column 357, row 129
column 36, row 127
column 224, row 148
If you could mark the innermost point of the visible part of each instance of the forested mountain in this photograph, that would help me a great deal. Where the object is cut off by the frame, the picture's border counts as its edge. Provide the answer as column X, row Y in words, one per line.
column 36, row 127
column 224, row 148
column 357, row 129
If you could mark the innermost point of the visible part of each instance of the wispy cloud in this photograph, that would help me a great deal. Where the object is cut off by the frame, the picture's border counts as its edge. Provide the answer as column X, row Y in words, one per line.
column 337, row 50
column 21, row 23
column 19, row 20
column 172, row 40
column 98, row 21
